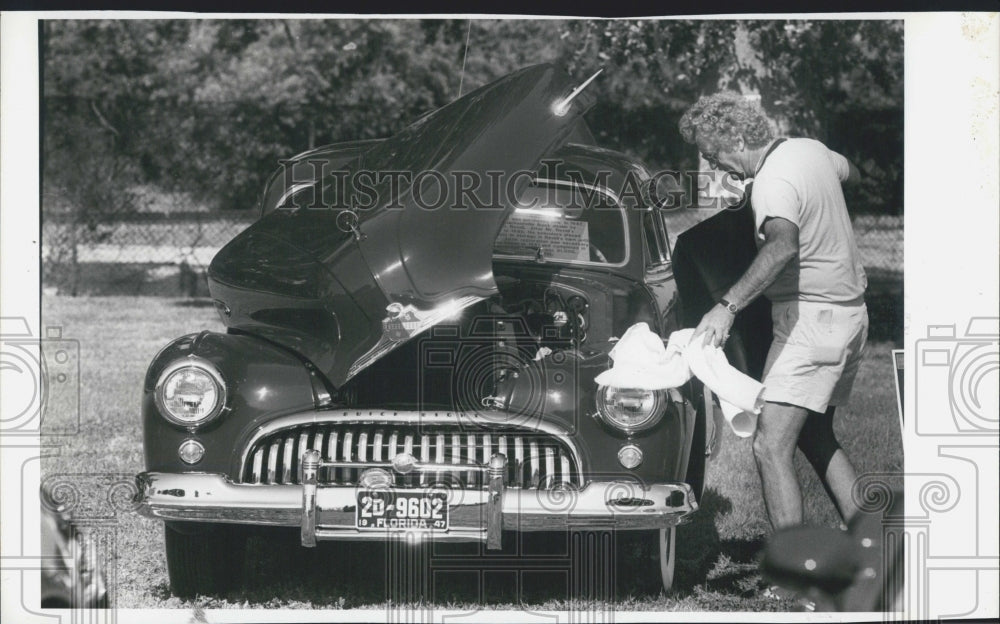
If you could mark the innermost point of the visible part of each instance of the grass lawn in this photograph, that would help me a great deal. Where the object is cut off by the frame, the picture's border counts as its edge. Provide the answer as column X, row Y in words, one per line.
column 118, row 336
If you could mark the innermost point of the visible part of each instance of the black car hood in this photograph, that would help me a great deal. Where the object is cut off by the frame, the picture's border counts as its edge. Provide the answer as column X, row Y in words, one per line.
column 345, row 285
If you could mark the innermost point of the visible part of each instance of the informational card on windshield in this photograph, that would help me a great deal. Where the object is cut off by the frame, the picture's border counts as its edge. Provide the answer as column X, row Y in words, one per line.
column 558, row 238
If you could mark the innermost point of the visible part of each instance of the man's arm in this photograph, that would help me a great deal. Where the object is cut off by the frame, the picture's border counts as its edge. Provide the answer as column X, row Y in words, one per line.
column 781, row 245
column 846, row 171
column 853, row 175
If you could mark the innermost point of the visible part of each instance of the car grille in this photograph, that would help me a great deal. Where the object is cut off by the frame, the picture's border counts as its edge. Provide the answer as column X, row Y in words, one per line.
column 534, row 459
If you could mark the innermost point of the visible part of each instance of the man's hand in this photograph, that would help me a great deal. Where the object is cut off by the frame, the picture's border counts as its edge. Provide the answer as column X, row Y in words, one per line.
column 715, row 325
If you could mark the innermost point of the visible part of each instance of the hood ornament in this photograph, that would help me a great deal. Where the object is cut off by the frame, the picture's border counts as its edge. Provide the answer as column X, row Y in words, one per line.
column 562, row 107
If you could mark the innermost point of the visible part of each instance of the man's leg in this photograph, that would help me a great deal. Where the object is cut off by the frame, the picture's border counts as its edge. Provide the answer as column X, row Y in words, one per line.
column 778, row 429
column 828, row 459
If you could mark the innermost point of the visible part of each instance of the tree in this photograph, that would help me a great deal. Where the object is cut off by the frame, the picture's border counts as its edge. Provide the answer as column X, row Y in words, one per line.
column 208, row 106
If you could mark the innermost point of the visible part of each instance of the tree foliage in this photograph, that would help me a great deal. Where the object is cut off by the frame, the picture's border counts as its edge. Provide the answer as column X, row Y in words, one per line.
column 208, row 106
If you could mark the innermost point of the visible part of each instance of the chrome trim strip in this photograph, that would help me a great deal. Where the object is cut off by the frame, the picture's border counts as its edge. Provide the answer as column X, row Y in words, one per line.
column 536, row 466
column 258, row 465
column 347, row 474
column 288, row 453
column 272, row 463
column 332, row 452
column 518, row 461
column 363, row 446
column 377, row 443
column 303, row 443
column 439, row 455
column 425, row 454
column 550, row 465
column 393, row 441
column 471, row 457
column 417, row 465
column 295, row 188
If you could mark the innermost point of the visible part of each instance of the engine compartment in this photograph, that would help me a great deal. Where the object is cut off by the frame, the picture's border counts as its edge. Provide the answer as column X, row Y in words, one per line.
column 540, row 321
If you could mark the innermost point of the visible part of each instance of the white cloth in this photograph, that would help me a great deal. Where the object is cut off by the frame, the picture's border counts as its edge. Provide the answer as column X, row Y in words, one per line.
column 640, row 360
column 741, row 397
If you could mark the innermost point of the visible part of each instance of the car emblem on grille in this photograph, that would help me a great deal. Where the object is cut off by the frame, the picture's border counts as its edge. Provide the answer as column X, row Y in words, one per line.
column 404, row 463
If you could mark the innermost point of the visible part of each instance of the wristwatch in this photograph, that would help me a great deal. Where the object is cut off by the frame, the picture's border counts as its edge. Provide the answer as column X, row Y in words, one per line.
column 729, row 306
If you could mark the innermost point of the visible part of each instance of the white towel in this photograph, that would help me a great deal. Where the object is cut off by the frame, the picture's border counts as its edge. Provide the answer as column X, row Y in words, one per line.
column 640, row 360
column 740, row 396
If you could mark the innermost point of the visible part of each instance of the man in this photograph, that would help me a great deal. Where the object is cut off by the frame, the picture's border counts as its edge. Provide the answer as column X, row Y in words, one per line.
column 809, row 267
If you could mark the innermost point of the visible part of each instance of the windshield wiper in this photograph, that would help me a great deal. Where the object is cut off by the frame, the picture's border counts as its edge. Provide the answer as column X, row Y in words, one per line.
column 537, row 253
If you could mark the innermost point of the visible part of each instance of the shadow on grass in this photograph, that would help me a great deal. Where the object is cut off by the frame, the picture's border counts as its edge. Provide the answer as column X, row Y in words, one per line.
column 544, row 570
column 698, row 543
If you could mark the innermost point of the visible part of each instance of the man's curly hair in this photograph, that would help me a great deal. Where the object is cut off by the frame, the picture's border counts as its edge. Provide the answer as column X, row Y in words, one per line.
column 722, row 117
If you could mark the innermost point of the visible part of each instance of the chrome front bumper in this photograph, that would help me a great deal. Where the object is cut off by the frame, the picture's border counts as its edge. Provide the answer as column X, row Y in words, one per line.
column 328, row 512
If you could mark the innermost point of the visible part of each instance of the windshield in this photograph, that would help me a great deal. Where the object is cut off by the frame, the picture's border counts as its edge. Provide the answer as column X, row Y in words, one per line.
column 564, row 222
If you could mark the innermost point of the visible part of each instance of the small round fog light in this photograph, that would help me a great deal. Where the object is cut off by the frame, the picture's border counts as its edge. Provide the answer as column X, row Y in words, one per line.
column 191, row 451
column 630, row 456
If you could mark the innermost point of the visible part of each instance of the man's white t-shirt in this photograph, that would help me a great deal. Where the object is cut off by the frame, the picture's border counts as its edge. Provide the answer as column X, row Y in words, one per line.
column 800, row 181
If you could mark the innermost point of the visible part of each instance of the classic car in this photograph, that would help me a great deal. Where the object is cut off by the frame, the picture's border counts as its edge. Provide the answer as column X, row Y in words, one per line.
column 414, row 356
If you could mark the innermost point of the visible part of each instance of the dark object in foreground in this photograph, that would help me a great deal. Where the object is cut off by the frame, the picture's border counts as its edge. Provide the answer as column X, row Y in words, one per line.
column 708, row 259
column 857, row 570
column 415, row 372
column 72, row 577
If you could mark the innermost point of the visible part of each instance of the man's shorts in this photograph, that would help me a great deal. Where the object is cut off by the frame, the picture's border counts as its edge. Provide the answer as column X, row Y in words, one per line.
column 815, row 354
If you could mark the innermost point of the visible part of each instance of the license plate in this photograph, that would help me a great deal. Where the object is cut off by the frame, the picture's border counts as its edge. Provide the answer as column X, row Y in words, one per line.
column 395, row 510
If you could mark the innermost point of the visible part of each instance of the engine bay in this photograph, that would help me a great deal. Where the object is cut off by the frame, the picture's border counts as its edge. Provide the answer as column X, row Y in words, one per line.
column 532, row 325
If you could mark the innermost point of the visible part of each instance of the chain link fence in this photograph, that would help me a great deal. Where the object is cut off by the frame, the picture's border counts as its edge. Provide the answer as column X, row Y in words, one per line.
column 166, row 254
column 161, row 254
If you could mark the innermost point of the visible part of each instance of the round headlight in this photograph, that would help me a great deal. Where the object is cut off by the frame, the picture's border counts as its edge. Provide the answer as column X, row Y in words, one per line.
column 631, row 409
column 190, row 393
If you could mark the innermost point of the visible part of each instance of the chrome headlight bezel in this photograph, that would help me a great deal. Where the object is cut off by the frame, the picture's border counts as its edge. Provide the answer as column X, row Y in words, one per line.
column 660, row 400
column 211, row 372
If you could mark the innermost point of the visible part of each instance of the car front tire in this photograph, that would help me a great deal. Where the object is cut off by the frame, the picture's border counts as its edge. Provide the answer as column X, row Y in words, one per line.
column 646, row 561
column 206, row 561
column 666, row 556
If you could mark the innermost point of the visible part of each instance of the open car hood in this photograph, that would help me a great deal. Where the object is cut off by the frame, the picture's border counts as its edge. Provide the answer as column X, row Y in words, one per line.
column 347, row 284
